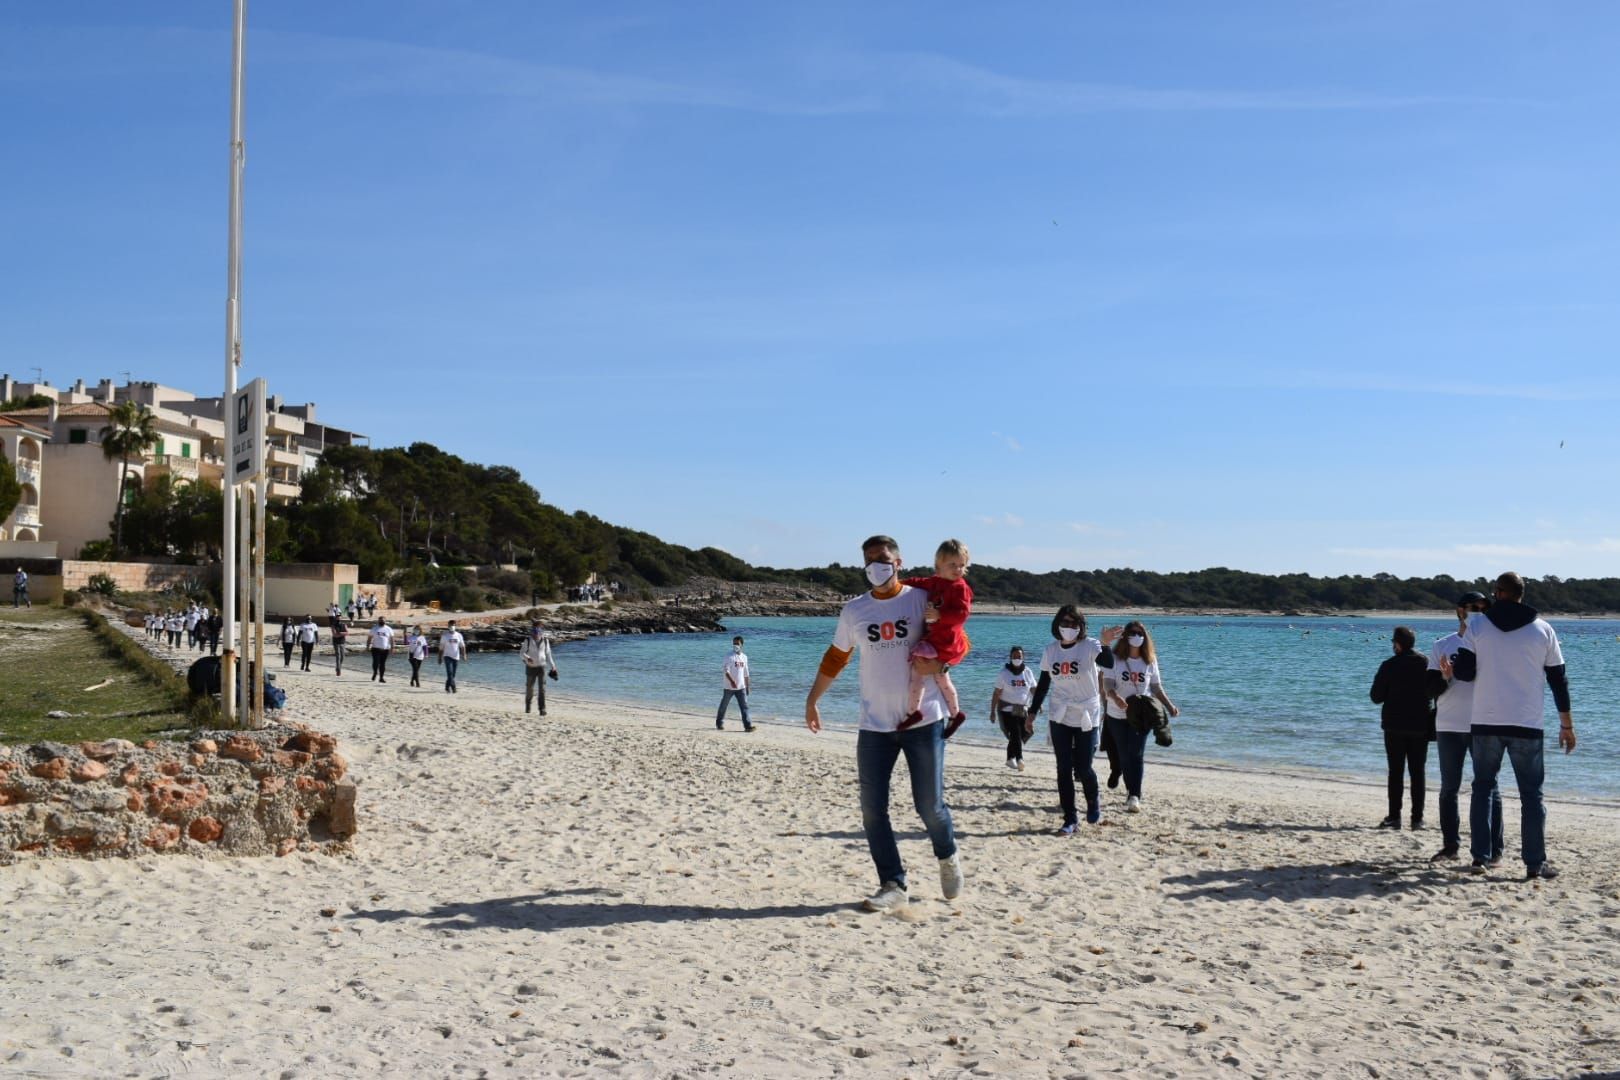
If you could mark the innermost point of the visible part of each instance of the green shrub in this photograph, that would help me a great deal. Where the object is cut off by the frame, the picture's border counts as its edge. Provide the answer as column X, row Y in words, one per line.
column 102, row 584
column 70, row 597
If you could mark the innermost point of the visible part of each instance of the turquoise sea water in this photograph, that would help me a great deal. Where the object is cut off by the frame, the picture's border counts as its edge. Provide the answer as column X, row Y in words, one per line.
column 1252, row 691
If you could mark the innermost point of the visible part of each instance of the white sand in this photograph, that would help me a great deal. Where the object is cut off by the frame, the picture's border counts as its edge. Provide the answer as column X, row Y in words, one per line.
column 625, row 892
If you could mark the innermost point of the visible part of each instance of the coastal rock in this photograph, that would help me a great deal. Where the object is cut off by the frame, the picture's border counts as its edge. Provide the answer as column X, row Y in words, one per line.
column 312, row 742
column 86, row 771
column 107, row 748
column 162, row 837
column 205, row 830
column 241, row 748
column 341, row 819
column 54, row 769
column 204, row 746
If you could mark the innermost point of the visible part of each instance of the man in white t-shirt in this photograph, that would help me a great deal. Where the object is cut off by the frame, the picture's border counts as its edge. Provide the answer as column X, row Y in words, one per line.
column 1508, row 653
column 308, row 635
column 883, row 624
column 380, row 641
column 738, row 681
column 1453, row 717
column 452, row 651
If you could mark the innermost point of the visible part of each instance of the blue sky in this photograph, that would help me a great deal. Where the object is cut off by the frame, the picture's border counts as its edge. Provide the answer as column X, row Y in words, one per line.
column 1286, row 287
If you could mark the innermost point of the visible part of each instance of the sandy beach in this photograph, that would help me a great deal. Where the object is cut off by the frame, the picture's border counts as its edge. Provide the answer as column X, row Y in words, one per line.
column 620, row 891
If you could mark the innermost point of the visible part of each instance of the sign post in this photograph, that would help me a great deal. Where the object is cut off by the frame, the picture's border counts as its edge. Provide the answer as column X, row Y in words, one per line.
column 245, row 473
column 233, row 356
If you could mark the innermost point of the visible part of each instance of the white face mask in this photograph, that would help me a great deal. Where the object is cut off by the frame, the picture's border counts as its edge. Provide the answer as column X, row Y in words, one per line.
column 736, row 648
column 1136, row 640
column 879, row 573
column 1069, row 634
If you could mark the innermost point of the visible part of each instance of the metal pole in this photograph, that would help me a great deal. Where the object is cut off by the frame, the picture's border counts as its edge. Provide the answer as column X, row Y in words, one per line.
column 233, row 359
column 247, row 669
column 258, row 598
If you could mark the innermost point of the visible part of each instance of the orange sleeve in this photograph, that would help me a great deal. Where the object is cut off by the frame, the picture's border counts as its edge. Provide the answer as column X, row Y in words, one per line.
column 833, row 661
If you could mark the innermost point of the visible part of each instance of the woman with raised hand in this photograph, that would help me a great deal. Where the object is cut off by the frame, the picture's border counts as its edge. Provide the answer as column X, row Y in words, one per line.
column 1009, row 705
column 1070, row 676
column 1135, row 672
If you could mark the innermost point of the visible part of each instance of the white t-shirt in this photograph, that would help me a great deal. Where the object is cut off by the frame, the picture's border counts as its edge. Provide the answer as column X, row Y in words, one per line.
column 416, row 647
column 1016, row 689
column 883, row 631
column 176, row 624
column 1127, row 678
column 380, row 637
column 1073, row 698
column 1511, row 686
column 1454, row 708
column 452, row 646
column 307, row 633
column 736, row 669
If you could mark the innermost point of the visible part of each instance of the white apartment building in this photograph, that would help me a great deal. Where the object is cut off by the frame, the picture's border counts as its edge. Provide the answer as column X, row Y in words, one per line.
column 24, row 444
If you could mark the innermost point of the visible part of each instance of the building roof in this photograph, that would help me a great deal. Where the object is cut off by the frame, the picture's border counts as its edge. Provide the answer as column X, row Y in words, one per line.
column 87, row 408
column 9, row 421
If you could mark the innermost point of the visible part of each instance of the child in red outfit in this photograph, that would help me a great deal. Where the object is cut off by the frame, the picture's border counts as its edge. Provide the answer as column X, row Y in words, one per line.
column 950, row 599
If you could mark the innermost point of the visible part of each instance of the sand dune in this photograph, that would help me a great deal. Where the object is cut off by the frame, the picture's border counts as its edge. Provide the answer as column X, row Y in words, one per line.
column 625, row 892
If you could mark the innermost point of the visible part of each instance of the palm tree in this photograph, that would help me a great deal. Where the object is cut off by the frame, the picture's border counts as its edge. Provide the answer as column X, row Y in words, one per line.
column 128, row 432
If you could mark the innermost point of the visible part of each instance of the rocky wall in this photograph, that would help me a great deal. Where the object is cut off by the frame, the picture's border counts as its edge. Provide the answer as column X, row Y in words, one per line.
column 274, row 791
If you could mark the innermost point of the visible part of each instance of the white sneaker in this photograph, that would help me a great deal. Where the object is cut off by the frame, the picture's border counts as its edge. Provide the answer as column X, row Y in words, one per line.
column 1011, row 764
column 1133, row 805
column 1020, row 764
column 950, row 876
column 889, row 896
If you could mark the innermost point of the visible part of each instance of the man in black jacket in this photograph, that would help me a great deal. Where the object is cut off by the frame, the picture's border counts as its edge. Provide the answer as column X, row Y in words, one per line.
column 1402, row 688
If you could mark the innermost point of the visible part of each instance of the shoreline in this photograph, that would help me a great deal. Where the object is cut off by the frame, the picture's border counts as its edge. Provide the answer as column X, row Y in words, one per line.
column 617, row 890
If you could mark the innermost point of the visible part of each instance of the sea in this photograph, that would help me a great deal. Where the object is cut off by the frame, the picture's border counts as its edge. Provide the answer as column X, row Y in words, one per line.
column 1289, row 694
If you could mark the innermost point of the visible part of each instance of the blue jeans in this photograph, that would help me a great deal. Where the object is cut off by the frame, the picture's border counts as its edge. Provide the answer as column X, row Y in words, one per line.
column 1074, row 750
column 742, row 705
column 1529, row 770
column 1452, row 747
column 875, row 755
column 1132, row 747
column 450, row 673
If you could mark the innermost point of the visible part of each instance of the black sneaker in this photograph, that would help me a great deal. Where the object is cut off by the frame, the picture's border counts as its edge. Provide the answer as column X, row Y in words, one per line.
column 1393, row 821
column 1545, row 871
column 1477, row 867
column 1417, row 823
column 1444, row 855
column 1113, row 779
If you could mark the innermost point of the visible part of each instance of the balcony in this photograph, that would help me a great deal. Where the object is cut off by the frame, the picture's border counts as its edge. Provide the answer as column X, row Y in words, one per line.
column 181, row 468
column 290, row 459
column 27, row 471
column 26, row 514
column 282, row 424
column 281, row 491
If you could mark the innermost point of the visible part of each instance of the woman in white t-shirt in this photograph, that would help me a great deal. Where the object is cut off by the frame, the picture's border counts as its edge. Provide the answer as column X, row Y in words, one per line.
column 1135, row 671
column 416, row 650
column 1009, row 705
column 1070, row 677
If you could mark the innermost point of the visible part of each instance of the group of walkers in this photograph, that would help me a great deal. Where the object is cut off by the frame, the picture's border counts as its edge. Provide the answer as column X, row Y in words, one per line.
column 1108, row 693
column 193, row 627
column 1477, row 694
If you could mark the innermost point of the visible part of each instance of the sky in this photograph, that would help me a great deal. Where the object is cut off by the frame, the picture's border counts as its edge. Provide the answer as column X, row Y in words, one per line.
column 1328, row 287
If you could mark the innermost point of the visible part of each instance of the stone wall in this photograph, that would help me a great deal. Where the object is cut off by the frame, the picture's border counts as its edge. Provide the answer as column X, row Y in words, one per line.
column 133, row 576
column 272, row 791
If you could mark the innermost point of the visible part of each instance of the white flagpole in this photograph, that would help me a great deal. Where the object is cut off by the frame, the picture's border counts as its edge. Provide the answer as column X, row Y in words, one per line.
column 233, row 359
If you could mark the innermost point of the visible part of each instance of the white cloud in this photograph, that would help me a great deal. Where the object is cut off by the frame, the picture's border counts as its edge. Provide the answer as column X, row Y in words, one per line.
column 1011, row 443
column 1008, row 520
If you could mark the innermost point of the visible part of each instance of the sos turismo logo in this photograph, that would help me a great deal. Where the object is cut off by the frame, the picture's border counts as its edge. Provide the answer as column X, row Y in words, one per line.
column 888, row 631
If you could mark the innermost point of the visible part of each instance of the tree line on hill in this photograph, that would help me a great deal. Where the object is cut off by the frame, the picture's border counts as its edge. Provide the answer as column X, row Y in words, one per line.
column 403, row 513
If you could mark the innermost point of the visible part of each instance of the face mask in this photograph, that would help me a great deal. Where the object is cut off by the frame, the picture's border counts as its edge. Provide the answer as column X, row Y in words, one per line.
column 1069, row 634
column 736, row 648
column 879, row 573
column 1136, row 640
column 1016, row 665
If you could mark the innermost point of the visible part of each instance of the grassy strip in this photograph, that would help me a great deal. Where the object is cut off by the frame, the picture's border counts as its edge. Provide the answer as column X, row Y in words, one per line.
column 202, row 711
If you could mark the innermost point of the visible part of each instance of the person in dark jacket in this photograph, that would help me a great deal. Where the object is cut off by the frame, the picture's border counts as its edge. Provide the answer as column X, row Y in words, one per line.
column 1402, row 688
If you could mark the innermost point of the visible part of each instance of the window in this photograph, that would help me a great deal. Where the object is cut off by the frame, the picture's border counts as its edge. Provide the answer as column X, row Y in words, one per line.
column 79, row 435
column 159, row 450
column 185, row 449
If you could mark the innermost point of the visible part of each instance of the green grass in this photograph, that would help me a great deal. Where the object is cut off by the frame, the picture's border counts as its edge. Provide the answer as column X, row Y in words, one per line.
column 50, row 657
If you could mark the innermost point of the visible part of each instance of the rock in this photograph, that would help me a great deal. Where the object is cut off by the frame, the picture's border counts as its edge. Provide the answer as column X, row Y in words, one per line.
column 86, row 771
column 341, row 819
column 332, row 767
column 59, row 714
column 313, row 742
column 205, row 830
column 286, row 846
column 162, row 837
column 271, row 785
column 107, row 748
column 135, row 803
column 197, row 761
column 241, row 748
column 309, row 783
column 205, row 746
column 172, row 798
column 171, row 768
column 54, row 769
column 131, row 775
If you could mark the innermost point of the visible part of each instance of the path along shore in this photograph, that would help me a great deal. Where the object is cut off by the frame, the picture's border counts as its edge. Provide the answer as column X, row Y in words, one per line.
column 620, row 891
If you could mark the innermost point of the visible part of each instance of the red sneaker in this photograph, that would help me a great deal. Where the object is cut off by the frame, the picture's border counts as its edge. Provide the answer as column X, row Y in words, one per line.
column 953, row 723
column 912, row 718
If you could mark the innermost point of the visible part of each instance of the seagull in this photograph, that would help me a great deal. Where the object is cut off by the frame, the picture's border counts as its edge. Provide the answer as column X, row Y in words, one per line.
column 1560, row 444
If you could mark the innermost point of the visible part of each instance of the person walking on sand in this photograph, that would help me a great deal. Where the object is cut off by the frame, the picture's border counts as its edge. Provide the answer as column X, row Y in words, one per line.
column 883, row 623
column 308, row 635
column 381, row 642
column 537, row 664
column 1454, row 707
column 452, row 651
column 19, row 590
column 1009, row 705
column 1507, row 653
column 1070, row 675
column 289, row 638
column 1401, row 689
column 340, row 638
column 1135, row 674
column 416, row 650
column 739, row 682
